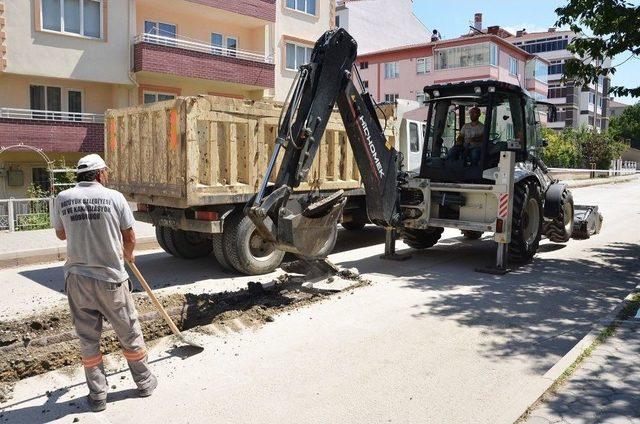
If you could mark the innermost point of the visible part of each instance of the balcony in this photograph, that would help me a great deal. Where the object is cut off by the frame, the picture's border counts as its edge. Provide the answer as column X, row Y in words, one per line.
column 52, row 131
column 187, row 58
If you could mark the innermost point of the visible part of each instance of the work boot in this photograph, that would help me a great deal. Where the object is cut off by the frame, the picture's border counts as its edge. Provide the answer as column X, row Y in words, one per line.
column 96, row 405
column 149, row 390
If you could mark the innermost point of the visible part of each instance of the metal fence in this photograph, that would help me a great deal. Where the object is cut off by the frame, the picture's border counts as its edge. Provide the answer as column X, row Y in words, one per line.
column 50, row 115
column 25, row 214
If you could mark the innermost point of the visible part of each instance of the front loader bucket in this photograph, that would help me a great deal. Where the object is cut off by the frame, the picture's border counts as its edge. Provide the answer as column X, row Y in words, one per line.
column 587, row 221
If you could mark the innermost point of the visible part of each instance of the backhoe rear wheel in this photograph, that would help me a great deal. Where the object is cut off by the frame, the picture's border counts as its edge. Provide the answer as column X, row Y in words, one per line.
column 559, row 229
column 526, row 227
column 422, row 238
column 244, row 248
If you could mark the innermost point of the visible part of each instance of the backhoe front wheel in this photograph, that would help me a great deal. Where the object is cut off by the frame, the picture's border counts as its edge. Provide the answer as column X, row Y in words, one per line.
column 559, row 229
column 526, row 227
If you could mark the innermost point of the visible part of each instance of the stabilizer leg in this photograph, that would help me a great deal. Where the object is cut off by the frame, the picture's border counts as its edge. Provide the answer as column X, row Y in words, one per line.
column 390, row 236
column 500, row 267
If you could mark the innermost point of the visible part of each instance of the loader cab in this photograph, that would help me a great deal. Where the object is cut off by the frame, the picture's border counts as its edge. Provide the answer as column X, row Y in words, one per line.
column 459, row 145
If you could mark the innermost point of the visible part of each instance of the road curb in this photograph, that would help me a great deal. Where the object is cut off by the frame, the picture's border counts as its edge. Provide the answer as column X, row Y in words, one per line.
column 555, row 372
column 50, row 254
column 599, row 181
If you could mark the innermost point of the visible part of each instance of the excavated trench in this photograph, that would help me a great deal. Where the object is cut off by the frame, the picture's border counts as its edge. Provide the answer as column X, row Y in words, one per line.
column 45, row 342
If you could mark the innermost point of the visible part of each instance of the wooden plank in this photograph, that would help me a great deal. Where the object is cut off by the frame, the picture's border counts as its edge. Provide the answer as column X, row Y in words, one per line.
column 173, row 148
column 146, row 146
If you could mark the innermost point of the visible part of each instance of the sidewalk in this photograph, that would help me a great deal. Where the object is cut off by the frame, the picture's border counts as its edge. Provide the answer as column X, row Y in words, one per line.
column 25, row 247
column 604, row 388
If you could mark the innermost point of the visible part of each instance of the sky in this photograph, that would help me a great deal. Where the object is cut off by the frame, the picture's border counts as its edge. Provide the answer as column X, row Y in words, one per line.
column 453, row 17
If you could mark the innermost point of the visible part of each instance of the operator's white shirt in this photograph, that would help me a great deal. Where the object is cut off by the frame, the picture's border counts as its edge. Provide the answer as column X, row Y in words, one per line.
column 470, row 131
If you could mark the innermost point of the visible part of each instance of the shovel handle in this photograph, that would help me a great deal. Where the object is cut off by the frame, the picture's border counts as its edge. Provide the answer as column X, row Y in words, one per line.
column 154, row 299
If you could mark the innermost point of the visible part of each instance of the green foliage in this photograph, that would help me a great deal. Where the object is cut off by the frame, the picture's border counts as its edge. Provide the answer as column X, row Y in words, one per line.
column 580, row 148
column 561, row 151
column 614, row 25
column 627, row 125
column 36, row 217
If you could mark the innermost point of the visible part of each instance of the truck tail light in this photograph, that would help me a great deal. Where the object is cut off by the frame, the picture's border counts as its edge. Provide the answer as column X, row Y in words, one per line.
column 143, row 207
column 207, row 215
column 499, row 225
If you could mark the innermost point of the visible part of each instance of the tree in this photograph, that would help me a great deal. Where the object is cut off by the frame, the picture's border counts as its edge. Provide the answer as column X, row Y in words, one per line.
column 627, row 125
column 614, row 25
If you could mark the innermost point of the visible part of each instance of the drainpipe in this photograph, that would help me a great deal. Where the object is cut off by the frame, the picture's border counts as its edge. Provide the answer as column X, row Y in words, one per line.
column 130, row 37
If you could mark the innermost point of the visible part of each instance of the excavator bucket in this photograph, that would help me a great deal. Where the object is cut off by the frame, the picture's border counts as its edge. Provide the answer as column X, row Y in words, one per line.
column 308, row 233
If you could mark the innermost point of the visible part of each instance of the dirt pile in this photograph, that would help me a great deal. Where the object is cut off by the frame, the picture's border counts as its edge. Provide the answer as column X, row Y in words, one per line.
column 42, row 343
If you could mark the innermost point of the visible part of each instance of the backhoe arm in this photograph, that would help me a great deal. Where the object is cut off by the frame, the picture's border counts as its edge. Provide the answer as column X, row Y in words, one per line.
column 304, row 225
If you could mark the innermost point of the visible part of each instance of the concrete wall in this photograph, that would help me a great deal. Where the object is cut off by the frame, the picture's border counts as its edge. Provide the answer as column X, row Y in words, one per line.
column 301, row 28
column 382, row 24
column 31, row 51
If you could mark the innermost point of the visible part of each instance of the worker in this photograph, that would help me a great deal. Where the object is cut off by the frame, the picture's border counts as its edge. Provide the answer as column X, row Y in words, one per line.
column 435, row 36
column 98, row 226
column 469, row 140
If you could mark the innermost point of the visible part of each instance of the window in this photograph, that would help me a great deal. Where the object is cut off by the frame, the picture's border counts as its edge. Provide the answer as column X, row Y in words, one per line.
column 592, row 98
column 223, row 44
column 557, row 91
column 45, row 98
column 420, row 97
column 466, row 56
column 493, row 60
column 544, row 44
column 561, row 115
column 297, row 55
column 556, row 67
column 541, row 71
column 391, row 97
column 40, row 178
column 423, row 65
column 152, row 97
column 160, row 29
column 305, row 6
column 338, row 21
column 391, row 70
column 74, row 103
column 364, row 65
column 80, row 17
column 513, row 66
column 414, row 139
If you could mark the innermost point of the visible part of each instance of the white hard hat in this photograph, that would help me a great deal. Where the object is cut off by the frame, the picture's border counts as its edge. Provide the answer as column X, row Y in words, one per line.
column 92, row 162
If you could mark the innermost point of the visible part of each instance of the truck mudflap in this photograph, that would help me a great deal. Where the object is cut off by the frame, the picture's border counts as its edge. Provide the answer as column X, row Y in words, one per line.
column 587, row 221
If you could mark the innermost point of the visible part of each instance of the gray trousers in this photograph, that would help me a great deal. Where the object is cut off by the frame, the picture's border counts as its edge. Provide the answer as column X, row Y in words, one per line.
column 91, row 301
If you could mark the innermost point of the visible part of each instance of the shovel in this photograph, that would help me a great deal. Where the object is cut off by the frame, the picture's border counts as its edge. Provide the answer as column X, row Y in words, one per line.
column 161, row 309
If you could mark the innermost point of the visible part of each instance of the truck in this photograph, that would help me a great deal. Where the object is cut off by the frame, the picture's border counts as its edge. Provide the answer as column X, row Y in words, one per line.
column 192, row 163
column 479, row 171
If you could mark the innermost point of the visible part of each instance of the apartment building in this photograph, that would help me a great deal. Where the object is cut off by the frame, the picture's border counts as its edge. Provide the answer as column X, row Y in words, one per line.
column 403, row 72
column 366, row 20
column 577, row 105
column 64, row 62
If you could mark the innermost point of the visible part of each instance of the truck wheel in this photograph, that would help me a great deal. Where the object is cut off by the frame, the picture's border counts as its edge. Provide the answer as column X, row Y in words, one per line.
column 526, row 227
column 421, row 239
column 245, row 249
column 160, row 239
column 218, row 253
column 559, row 229
column 191, row 244
column 471, row 234
column 169, row 241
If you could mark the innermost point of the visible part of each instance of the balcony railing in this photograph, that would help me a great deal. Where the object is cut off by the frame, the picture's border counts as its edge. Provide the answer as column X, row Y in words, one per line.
column 50, row 115
column 203, row 47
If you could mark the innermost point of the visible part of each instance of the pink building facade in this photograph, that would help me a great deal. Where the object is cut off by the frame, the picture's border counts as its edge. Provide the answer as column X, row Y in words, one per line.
column 403, row 72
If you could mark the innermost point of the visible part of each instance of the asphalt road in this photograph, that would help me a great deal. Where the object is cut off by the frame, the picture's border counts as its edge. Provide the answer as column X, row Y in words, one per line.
column 430, row 341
